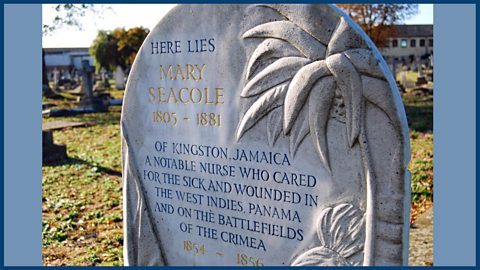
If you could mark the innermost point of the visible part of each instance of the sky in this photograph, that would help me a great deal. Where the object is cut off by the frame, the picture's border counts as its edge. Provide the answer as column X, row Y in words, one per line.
column 133, row 15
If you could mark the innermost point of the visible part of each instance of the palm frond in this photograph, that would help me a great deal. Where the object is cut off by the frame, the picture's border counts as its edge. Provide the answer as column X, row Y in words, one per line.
column 320, row 256
column 321, row 28
column 341, row 229
column 291, row 33
column 300, row 130
column 378, row 93
column 348, row 80
column 344, row 38
column 263, row 105
column 365, row 62
column 320, row 102
column 279, row 71
column 268, row 49
column 274, row 125
column 299, row 89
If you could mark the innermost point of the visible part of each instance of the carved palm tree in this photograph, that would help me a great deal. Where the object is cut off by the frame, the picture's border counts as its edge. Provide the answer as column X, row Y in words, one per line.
column 302, row 75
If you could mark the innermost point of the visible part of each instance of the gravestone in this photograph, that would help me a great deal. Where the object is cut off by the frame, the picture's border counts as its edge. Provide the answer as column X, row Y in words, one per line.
column 90, row 101
column 52, row 152
column 101, row 84
column 421, row 81
column 419, row 68
column 263, row 135
column 403, row 78
column 104, row 79
column 87, row 81
column 67, row 75
column 119, row 78
column 56, row 77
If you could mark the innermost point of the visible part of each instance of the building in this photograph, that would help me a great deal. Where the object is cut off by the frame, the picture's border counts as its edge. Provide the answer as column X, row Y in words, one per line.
column 65, row 59
column 409, row 43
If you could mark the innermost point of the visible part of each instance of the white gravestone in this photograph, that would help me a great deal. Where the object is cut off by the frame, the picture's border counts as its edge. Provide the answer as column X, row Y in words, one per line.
column 56, row 77
column 119, row 78
column 263, row 135
column 103, row 75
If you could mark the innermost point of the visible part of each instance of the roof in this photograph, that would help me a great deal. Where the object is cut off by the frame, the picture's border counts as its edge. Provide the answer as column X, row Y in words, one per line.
column 412, row 30
column 64, row 50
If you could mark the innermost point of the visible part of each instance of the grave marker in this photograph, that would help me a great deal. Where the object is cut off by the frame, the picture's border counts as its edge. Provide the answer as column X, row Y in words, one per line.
column 263, row 135
column 56, row 77
column 119, row 78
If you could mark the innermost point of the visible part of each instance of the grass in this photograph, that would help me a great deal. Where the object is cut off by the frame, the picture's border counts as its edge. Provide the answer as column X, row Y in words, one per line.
column 82, row 196
column 421, row 167
column 419, row 111
column 410, row 79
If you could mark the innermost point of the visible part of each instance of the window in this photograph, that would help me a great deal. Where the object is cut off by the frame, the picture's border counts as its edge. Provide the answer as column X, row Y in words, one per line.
column 422, row 42
column 430, row 42
column 403, row 43
column 394, row 43
column 413, row 42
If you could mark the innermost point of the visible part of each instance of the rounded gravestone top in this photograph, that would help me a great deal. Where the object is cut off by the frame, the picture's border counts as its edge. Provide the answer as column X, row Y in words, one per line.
column 263, row 135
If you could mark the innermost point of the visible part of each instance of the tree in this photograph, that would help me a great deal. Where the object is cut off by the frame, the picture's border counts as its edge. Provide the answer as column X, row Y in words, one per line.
column 376, row 19
column 130, row 43
column 104, row 50
column 117, row 47
column 68, row 15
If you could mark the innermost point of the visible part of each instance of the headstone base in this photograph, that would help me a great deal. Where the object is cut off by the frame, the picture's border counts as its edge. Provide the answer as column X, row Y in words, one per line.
column 47, row 91
column 52, row 152
column 400, row 86
column 420, row 81
column 95, row 103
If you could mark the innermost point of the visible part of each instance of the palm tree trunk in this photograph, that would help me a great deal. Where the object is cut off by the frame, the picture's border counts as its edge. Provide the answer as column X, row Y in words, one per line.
column 370, row 181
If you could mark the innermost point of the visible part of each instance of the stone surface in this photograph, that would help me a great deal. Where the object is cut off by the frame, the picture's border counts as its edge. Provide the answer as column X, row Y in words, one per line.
column 263, row 135
column 119, row 78
column 103, row 83
column 58, row 125
column 56, row 77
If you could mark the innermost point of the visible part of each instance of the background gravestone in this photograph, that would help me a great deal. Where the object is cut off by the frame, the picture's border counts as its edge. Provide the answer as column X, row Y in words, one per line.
column 263, row 135
column 56, row 77
column 119, row 78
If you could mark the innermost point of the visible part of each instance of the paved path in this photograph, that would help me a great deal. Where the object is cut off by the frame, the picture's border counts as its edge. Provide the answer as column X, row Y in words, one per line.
column 421, row 240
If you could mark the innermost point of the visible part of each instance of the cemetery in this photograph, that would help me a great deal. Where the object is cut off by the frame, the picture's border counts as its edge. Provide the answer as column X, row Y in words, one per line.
column 278, row 138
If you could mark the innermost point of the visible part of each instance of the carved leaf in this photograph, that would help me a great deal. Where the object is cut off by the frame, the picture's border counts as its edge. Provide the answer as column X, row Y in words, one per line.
column 342, row 229
column 344, row 38
column 274, row 125
column 341, row 233
column 378, row 92
column 365, row 62
column 279, row 71
column 320, row 102
column 349, row 82
column 299, row 89
column 268, row 49
column 263, row 105
column 300, row 130
column 291, row 33
column 320, row 256
column 322, row 27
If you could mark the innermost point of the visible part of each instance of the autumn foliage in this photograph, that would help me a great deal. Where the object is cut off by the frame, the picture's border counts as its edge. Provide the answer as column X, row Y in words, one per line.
column 375, row 19
column 117, row 47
